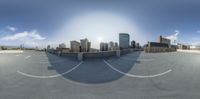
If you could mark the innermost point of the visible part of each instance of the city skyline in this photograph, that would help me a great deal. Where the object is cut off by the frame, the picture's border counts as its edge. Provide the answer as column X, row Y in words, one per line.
column 39, row 23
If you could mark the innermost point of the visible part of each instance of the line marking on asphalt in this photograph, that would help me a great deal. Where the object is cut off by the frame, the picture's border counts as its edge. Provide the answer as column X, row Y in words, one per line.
column 136, row 76
column 144, row 60
column 52, row 76
column 27, row 57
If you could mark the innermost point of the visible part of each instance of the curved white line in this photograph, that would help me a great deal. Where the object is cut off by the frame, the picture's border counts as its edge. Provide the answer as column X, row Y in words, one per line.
column 49, row 61
column 27, row 57
column 136, row 76
column 52, row 76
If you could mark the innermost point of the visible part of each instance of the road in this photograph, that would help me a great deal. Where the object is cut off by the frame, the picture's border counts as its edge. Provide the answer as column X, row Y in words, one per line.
column 138, row 75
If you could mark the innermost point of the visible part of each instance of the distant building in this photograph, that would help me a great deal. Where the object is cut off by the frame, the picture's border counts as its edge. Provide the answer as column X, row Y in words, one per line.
column 85, row 45
column 89, row 47
column 62, row 45
column 163, row 45
column 164, row 40
column 137, row 45
column 124, row 40
column 103, row 46
column 111, row 46
column 1, row 47
column 133, row 44
column 48, row 47
column 75, row 46
column 184, row 47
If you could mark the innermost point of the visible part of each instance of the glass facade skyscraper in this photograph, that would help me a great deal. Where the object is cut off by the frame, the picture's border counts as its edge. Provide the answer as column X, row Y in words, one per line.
column 124, row 40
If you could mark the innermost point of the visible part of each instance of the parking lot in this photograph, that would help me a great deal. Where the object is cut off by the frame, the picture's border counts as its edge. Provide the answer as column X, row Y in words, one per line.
column 138, row 75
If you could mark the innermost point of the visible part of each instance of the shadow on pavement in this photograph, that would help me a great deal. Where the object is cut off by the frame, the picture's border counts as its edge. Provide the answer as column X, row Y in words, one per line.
column 93, row 71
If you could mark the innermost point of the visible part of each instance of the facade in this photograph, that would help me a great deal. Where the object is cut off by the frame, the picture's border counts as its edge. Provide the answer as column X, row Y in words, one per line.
column 184, row 47
column 62, row 45
column 89, row 47
column 48, row 47
column 137, row 45
column 103, row 46
column 164, row 40
column 158, row 47
column 111, row 46
column 85, row 45
column 124, row 40
column 133, row 45
column 75, row 46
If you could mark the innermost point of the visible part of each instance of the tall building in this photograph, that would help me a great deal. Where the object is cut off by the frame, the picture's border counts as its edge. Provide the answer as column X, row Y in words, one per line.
column 75, row 46
column 103, row 46
column 124, row 40
column 137, row 45
column 89, row 47
column 85, row 45
column 133, row 44
column 62, row 45
column 111, row 46
column 48, row 47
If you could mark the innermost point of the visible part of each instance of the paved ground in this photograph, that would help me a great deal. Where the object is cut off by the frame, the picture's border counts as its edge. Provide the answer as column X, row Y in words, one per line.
column 37, row 75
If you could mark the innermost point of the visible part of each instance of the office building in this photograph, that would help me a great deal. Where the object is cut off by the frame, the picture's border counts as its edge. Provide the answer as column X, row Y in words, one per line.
column 164, row 40
column 85, row 45
column 75, row 46
column 89, row 47
column 133, row 44
column 103, row 46
column 111, row 46
column 48, row 47
column 124, row 40
column 62, row 45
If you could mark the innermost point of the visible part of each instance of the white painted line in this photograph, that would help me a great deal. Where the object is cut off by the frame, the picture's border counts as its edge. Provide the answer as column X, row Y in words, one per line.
column 16, row 55
column 144, row 60
column 52, row 76
column 27, row 57
column 136, row 76
column 47, row 61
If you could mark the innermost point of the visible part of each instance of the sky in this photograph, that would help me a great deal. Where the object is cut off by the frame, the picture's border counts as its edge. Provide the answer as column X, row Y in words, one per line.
column 42, row 22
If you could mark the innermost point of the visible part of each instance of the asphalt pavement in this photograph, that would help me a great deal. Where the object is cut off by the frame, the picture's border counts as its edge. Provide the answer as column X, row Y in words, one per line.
column 138, row 75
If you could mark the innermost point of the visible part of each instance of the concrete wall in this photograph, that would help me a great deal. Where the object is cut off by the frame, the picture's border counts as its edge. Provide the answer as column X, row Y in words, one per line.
column 159, row 49
column 90, row 55
column 99, row 54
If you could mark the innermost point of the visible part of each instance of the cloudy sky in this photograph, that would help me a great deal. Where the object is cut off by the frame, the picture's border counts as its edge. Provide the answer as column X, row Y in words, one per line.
column 42, row 22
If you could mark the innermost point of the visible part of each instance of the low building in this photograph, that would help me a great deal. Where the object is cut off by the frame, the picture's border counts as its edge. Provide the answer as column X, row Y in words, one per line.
column 183, row 47
column 158, row 47
column 163, row 45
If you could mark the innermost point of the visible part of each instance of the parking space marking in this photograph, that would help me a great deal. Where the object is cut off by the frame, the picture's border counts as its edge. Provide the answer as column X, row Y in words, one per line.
column 52, row 76
column 27, row 57
column 136, row 76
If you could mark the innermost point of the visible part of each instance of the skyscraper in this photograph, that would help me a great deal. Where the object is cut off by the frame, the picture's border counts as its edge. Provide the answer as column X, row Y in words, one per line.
column 133, row 44
column 75, row 46
column 103, row 46
column 85, row 45
column 124, row 40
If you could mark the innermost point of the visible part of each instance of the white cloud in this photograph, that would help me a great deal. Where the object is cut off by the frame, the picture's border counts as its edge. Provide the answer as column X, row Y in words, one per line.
column 24, row 36
column 10, row 28
column 174, row 37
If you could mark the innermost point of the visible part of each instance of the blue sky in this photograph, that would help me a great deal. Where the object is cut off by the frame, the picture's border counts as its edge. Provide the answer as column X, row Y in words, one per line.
column 42, row 22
